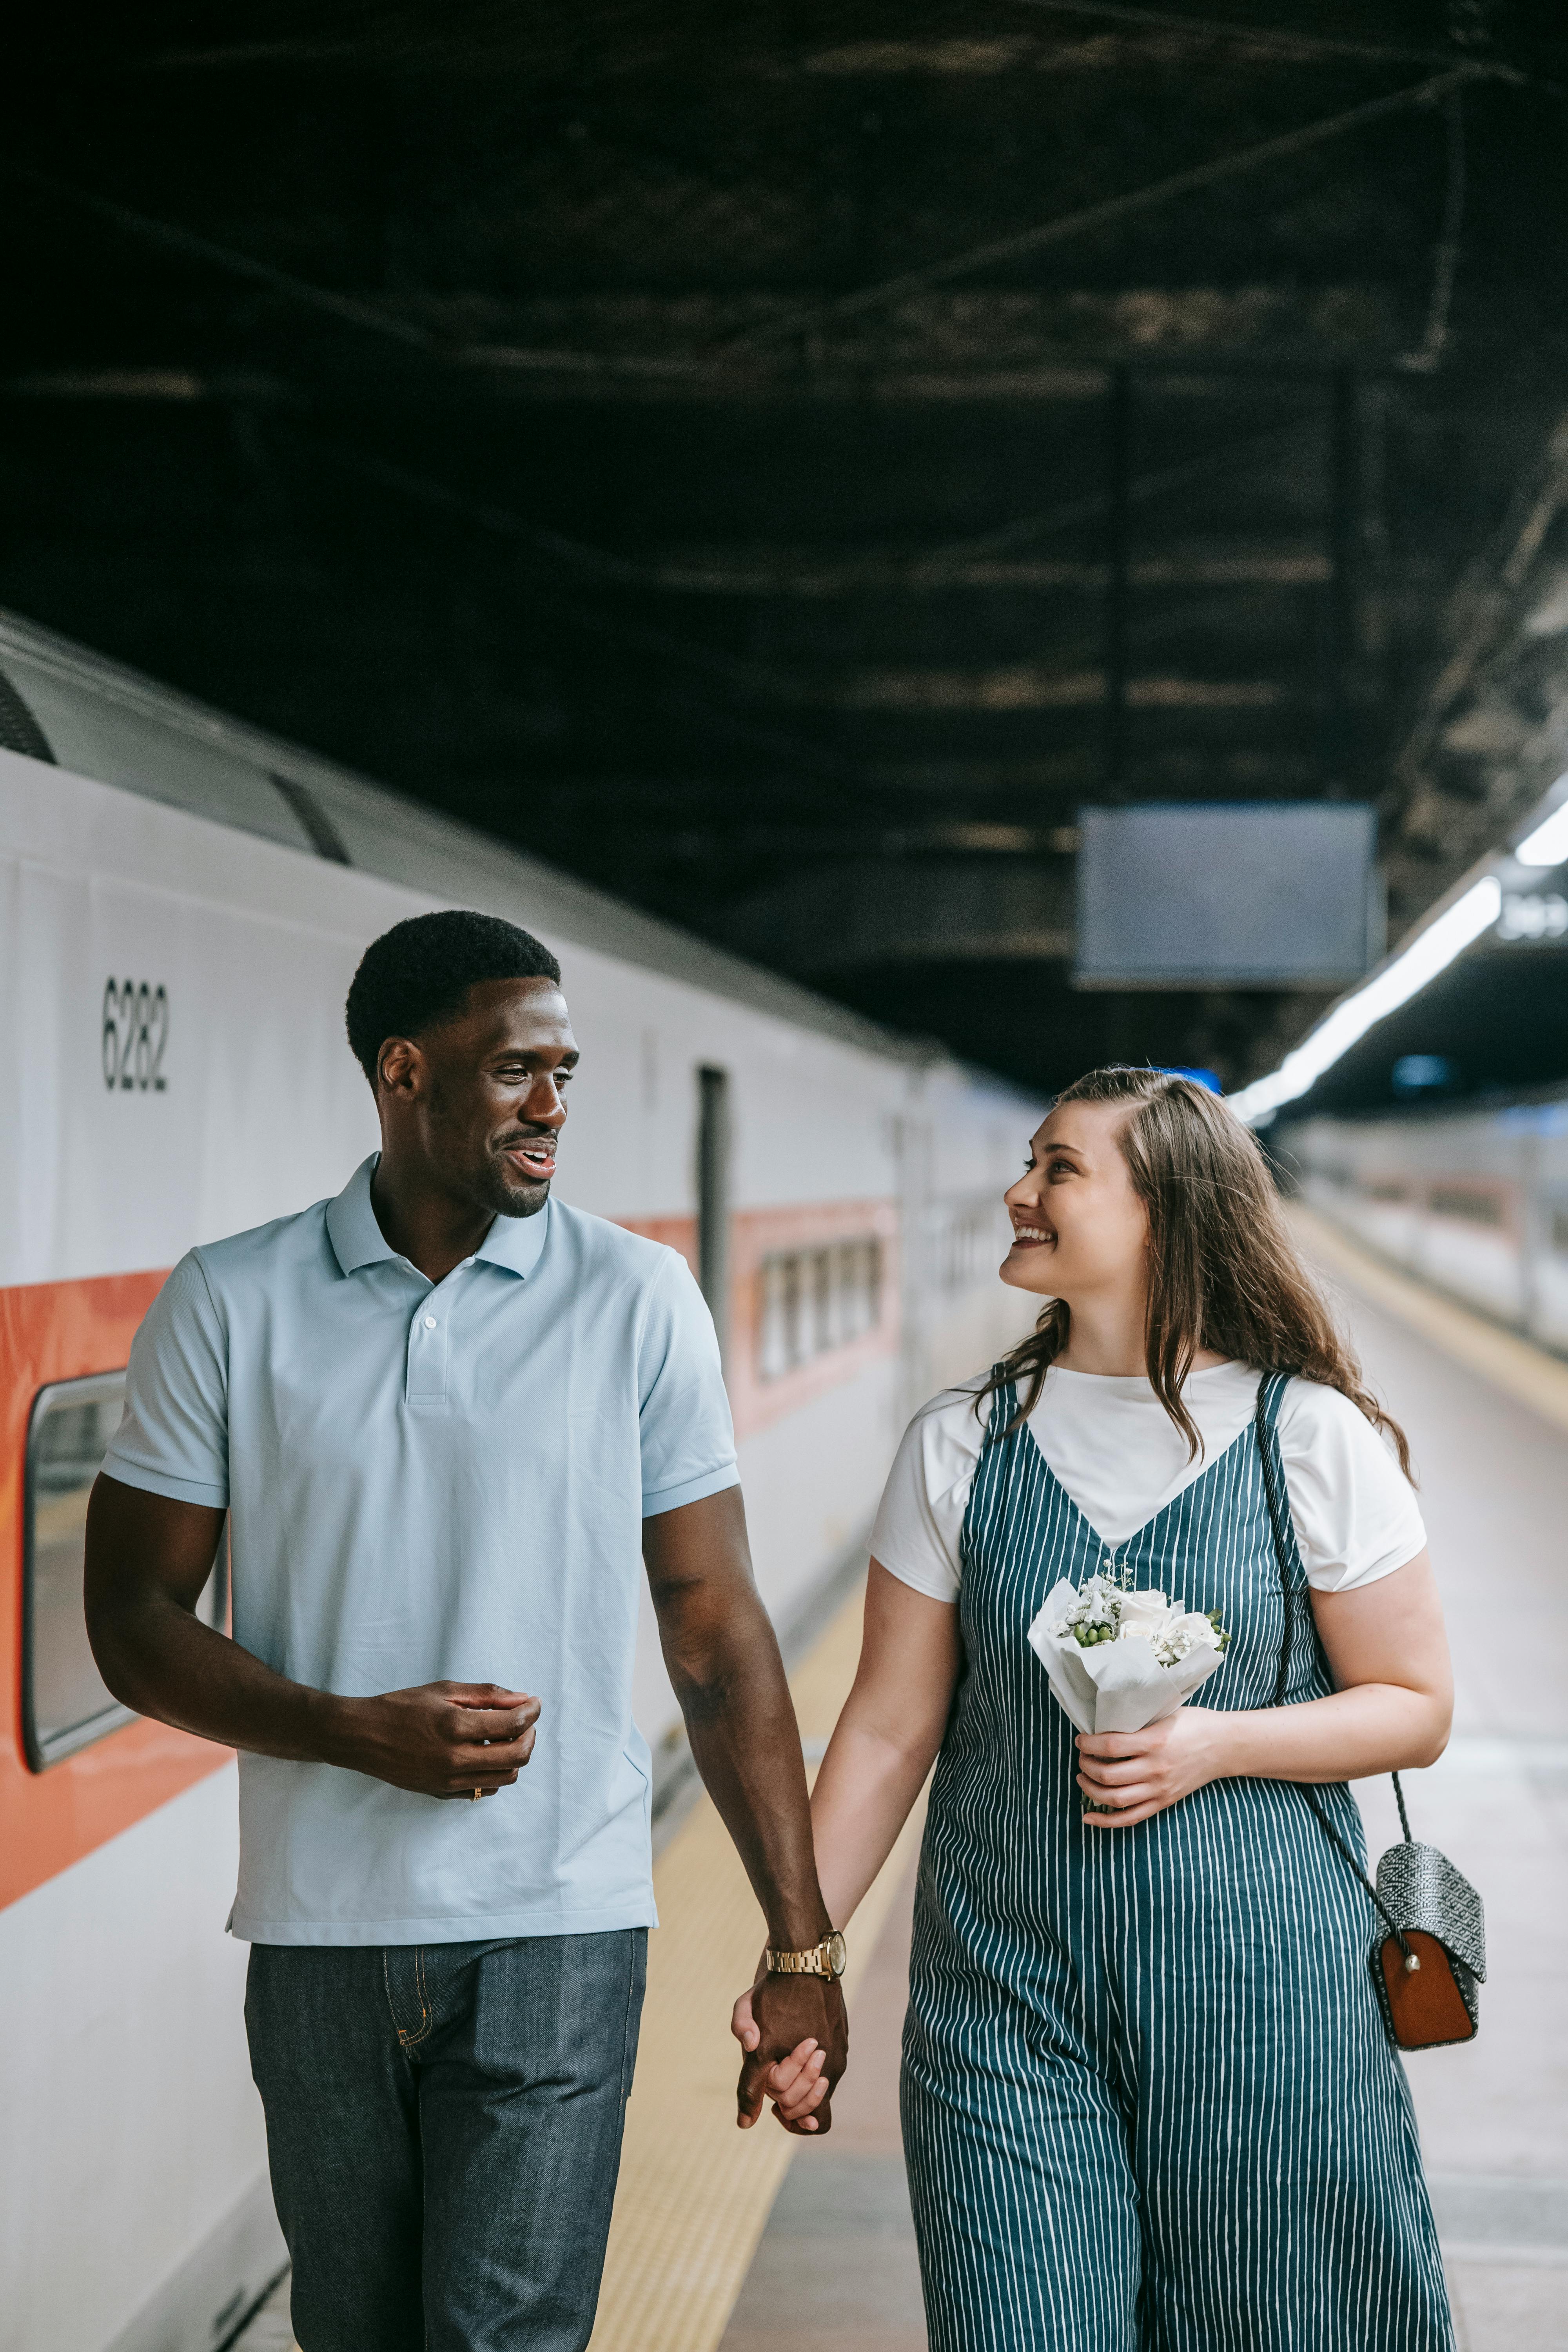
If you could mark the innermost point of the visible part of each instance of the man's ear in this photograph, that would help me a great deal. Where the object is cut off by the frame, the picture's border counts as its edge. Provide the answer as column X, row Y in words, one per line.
column 399, row 1068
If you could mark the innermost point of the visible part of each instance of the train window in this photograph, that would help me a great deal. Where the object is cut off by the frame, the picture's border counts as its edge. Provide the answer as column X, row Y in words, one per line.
column 812, row 1301
column 65, row 1701
column 865, row 1287
column 854, row 1305
column 1476, row 1208
column 19, row 731
column 969, row 1247
column 823, row 1334
column 714, row 1197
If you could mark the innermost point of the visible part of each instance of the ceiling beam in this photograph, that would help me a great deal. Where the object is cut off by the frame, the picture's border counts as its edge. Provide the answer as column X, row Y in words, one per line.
column 1135, row 34
column 924, row 345
column 1074, row 774
column 1038, row 685
column 800, row 573
column 1110, row 212
column 500, row 377
column 846, row 917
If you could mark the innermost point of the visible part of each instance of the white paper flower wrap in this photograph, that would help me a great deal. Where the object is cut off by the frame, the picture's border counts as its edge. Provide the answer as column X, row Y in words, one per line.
column 1121, row 1685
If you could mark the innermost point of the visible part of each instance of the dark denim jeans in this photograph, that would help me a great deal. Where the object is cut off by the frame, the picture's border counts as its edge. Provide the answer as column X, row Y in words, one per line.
column 444, row 2132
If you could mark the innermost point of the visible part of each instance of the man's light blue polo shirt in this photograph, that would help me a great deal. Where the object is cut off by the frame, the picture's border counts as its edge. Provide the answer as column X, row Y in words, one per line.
column 430, row 1482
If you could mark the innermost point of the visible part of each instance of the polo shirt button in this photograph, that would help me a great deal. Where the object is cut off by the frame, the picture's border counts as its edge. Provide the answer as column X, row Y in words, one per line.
column 430, row 1322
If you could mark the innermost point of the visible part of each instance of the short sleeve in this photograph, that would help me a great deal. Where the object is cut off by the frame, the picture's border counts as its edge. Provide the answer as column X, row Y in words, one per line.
column 173, row 1437
column 688, row 1439
column 920, row 1521
column 1354, row 1510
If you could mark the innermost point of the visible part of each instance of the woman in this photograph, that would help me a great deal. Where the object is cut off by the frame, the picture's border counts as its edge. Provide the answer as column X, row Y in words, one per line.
column 1148, row 2100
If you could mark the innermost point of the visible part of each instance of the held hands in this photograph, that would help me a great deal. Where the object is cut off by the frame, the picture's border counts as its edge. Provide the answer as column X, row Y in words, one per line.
column 796, row 2040
column 441, row 1739
column 1141, row 1772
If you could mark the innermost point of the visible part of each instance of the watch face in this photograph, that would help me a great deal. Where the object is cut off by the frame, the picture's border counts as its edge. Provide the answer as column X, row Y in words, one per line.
column 837, row 1954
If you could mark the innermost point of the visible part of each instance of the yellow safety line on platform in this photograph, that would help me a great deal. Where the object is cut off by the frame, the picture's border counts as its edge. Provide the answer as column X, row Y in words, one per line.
column 1515, row 1365
column 695, row 2193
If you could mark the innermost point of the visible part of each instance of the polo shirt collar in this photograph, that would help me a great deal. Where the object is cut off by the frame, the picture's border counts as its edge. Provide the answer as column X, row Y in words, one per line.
column 513, row 1243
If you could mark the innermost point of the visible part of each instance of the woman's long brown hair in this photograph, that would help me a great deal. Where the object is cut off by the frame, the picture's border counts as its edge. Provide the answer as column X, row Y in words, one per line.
column 1223, row 1271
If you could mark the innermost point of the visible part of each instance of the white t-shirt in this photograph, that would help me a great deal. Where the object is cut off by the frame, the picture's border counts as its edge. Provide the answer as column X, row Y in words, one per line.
column 1121, row 1458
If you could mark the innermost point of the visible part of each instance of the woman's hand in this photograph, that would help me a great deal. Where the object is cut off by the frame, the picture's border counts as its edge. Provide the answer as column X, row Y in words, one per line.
column 1141, row 1772
column 796, row 2083
column 1390, row 1712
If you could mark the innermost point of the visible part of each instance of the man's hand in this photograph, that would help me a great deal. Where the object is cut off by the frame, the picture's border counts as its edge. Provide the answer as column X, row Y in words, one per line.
column 147, row 1560
column 441, row 1739
column 796, row 2040
column 723, row 1661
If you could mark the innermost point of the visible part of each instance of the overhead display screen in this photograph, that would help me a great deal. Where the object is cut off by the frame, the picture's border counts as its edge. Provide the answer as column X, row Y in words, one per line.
column 1231, row 894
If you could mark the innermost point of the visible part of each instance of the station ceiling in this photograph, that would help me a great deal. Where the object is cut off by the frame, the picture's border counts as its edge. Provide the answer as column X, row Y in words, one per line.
column 780, row 463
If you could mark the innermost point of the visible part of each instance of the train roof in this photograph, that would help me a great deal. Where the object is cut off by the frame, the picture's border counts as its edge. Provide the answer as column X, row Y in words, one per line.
column 62, row 703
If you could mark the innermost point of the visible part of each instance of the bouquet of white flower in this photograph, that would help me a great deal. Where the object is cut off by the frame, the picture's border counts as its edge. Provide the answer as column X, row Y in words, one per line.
column 1120, row 1659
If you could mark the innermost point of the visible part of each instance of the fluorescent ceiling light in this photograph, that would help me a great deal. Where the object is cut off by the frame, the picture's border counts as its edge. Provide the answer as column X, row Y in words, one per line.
column 1548, row 845
column 1430, row 952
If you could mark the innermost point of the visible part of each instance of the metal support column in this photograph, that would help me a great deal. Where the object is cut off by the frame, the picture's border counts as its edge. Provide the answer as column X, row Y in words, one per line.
column 1119, row 453
column 713, row 1198
column 1340, row 647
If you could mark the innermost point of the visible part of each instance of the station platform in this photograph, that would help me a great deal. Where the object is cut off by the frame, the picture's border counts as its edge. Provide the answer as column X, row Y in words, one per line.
column 731, row 2242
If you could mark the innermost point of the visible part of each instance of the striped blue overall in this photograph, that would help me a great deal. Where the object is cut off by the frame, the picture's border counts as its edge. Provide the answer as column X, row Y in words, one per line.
column 1148, row 2100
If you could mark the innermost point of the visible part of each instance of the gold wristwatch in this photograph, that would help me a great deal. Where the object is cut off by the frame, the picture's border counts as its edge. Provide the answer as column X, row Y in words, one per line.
column 824, row 1959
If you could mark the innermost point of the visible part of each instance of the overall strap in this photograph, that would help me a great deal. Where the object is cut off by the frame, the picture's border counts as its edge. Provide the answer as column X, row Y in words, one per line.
column 1004, row 1405
column 1270, row 1390
column 1268, row 1460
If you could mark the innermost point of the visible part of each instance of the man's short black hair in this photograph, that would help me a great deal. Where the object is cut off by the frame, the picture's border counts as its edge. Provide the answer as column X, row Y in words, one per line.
column 420, row 972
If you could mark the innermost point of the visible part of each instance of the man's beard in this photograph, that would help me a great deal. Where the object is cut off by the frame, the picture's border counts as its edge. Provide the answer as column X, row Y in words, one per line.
column 508, row 1199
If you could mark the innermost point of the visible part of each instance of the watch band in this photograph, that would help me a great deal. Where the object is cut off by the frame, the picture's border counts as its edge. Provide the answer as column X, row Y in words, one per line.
column 824, row 1959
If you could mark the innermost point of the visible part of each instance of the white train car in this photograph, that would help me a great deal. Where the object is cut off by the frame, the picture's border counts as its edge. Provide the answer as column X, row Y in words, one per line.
column 184, row 900
column 1473, row 1201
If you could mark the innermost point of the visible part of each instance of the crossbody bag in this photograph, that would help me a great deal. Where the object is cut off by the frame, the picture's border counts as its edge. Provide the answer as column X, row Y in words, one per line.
column 1428, row 1949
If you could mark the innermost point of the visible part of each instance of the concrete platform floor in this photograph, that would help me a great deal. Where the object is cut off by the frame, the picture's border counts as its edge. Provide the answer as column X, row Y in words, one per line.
column 835, row 2270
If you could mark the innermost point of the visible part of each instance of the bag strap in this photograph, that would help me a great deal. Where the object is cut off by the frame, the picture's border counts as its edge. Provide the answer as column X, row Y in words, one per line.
column 1262, row 1432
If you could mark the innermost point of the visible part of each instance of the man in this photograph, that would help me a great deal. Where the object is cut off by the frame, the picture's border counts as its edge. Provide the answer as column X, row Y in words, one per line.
column 442, row 1411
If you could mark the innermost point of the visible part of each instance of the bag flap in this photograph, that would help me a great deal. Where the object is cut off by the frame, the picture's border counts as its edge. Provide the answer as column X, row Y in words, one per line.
column 1420, row 1887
